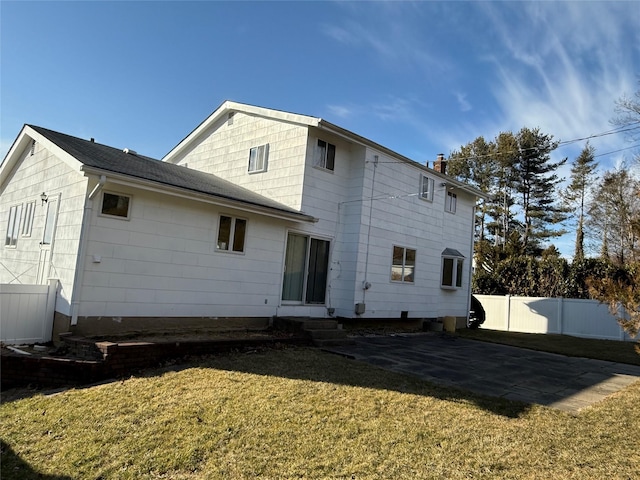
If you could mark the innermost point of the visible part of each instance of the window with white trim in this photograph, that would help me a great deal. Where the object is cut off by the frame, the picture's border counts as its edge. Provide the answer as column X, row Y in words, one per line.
column 13, row 226
column 27, row 223
column 258, row 157
column 115, row 205
column 426, row 188
column 452, row 268
column 324, row 155
column 450, row 202
column 231, row 234
column 403, row 265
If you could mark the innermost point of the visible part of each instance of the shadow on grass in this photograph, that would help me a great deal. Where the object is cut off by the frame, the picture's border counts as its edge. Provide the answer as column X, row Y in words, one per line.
column 310, row 364
column 13, row 467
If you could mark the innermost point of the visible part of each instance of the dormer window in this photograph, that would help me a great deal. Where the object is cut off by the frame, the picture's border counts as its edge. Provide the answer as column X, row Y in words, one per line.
column 325, row 155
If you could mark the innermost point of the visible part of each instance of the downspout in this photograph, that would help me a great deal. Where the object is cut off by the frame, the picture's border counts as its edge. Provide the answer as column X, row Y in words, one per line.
column 82, row 248
column 471, row 259
column 365, row 283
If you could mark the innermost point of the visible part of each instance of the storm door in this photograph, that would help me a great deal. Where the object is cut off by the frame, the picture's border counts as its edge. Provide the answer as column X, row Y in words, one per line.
column 306, row 269
column 46, row 245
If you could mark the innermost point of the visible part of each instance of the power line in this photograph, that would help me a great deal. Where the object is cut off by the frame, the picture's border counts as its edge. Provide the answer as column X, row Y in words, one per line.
column 622, row 129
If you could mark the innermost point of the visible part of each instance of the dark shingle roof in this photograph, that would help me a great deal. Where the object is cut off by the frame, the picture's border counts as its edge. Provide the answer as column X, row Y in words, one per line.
column 115, row 160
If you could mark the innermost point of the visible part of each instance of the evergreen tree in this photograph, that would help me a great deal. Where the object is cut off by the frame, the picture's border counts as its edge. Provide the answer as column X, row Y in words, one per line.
column 535, row 182
column 575, row 195
column 475, row 164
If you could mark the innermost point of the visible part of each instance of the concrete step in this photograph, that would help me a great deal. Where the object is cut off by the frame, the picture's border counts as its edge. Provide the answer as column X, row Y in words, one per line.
column 333, row 342
column 325, row 333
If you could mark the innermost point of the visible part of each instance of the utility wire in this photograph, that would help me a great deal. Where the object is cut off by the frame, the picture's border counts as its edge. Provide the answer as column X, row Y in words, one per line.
column 622, row 129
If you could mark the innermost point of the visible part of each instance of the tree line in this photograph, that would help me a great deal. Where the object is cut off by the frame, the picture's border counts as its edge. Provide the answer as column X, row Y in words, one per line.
column 528, row 205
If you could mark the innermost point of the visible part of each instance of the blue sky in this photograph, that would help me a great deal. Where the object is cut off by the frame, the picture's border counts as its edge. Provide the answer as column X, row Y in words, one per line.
column 421, row 78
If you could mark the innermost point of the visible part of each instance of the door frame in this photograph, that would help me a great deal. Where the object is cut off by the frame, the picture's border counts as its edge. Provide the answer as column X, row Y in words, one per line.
column 309, row 236
column 46, row 249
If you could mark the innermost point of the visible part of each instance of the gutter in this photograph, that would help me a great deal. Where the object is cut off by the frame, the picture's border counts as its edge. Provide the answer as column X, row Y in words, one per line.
column 158, row 187
column 82, row 249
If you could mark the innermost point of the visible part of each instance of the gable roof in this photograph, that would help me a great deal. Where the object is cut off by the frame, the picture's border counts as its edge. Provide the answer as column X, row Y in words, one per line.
column 98, row 158
column 228, row 106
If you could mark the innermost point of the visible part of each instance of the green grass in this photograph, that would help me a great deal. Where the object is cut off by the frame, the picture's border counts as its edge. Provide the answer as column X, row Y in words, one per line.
column 302, row 413
column 611, row 350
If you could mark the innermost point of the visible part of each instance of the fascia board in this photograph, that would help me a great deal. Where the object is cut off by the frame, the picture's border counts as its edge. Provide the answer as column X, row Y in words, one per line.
column 120, row 179
column 26, row 135
column 230, row 106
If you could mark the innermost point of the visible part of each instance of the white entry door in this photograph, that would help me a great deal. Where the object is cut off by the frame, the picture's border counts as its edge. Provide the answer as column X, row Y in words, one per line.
column 48, row 237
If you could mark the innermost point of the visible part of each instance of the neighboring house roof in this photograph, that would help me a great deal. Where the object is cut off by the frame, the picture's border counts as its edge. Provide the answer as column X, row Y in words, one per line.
column 229, row 106
column 99, row 158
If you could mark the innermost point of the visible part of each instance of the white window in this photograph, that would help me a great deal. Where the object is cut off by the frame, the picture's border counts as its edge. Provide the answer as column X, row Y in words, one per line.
column 231, row 234
column 325, row 155
column 230, row 118
column 258, row 159
column 450, row 202
column 403, row 265
column 13, row 225
column 452, row 271
column 115, row 205
column 27, row 224
column 426, row 188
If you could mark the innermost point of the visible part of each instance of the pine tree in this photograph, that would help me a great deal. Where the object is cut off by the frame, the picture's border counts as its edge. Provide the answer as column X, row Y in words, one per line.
column 535, row 182
column 575, row 195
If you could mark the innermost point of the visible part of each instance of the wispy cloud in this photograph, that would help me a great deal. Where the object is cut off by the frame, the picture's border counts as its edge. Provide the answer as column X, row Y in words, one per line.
column 564, row 72
column 464, row 104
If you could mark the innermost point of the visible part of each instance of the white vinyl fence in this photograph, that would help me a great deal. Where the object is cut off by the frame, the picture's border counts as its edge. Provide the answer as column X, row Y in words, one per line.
column 26, row 312
column 566, row 316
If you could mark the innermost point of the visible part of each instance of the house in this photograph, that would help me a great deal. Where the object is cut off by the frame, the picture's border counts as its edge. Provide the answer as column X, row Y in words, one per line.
column 257, row 213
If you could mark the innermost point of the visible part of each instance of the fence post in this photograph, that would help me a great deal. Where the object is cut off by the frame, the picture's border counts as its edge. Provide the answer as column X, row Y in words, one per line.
column 560, row 318
column 508, row 312
column 47, row 321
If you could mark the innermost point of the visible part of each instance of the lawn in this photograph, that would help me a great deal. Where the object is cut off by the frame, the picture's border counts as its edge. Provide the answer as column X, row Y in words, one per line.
column 614, row 351
column 303, row 413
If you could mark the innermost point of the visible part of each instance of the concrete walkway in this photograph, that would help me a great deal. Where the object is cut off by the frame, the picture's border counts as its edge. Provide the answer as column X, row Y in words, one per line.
column 566, row 383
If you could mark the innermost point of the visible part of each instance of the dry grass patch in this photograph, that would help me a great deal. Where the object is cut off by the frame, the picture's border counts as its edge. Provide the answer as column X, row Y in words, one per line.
column 611, row 350
column 301, row 413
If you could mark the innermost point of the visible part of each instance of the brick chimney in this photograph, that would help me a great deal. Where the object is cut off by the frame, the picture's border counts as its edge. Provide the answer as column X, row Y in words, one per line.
column 440, row 165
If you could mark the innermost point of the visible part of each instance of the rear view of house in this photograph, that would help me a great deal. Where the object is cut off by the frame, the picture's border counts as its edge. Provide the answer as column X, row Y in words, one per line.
column 257, row 213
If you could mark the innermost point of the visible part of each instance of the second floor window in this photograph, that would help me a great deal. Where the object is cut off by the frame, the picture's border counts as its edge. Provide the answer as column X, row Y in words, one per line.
column 450, row 202
column 325, row 155
column 426, row 188
column 258, row 157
